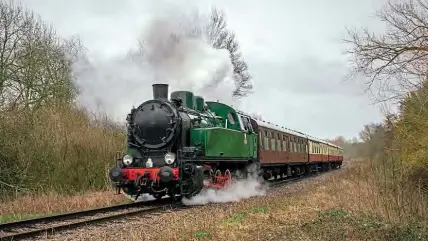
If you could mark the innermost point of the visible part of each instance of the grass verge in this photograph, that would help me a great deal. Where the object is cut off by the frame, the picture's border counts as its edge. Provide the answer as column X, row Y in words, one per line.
column 43, row 205
column 343, row 205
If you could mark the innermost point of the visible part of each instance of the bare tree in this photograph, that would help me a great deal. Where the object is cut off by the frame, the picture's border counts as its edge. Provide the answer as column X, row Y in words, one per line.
column 35, row 64
column 221, row 37
column 370, row 131
column 394, row 62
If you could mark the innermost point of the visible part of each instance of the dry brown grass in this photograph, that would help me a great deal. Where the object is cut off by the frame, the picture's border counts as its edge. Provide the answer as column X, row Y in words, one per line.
column 34, row 206
column 341, row 205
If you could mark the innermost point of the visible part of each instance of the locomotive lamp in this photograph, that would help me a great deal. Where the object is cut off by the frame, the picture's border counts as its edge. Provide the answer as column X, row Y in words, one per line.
column 127, row 160
column 149, row 162
column 169, row 158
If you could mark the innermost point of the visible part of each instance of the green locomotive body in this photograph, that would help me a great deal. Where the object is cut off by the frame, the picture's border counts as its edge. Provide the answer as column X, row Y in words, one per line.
column 223, row 143
column 176, row 146
column 228, row 141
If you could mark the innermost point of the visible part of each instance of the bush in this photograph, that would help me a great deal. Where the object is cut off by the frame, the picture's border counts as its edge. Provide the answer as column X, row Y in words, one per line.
column 59, row 149
column 411, row 135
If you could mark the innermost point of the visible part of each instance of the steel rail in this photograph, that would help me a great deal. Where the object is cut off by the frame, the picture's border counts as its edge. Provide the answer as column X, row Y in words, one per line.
column 64, row 216
column 51, row 226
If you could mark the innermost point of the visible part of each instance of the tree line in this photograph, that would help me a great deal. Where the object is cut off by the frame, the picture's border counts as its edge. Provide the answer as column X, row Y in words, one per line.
column 394, row 66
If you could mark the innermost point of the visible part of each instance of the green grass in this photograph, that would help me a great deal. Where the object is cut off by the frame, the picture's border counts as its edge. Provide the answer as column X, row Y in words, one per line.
column 260, row 209
column 202, row 235
column 337, row 224
column 239, row 217
column 19, row 217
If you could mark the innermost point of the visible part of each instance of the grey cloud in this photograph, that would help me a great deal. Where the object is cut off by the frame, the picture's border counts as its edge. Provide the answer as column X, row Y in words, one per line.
column 308, row 76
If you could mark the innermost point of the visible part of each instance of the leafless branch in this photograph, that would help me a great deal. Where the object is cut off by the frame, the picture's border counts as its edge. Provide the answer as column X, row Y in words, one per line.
column 394, row 62
column 222, row 38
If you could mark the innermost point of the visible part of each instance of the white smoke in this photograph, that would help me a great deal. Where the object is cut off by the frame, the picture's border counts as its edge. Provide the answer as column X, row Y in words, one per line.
column 239, row 190
column 174, row 49
column 178, row 52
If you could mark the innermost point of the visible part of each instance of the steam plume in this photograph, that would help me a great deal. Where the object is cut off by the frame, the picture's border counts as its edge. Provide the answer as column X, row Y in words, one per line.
column 239, row 190
column 173, row 48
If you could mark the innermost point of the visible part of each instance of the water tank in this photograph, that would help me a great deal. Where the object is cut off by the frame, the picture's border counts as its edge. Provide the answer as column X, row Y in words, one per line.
column 199, row 103
column 186, row 96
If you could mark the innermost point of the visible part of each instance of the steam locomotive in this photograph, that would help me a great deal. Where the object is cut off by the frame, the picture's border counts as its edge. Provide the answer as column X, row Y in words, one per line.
column 182, row 145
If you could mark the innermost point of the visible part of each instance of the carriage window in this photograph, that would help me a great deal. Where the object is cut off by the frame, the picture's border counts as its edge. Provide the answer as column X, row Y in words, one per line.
column 293, row 144
column 260, row 139
column 272, row 141
column 266, row 139
column 297, row 145
column 284, row 143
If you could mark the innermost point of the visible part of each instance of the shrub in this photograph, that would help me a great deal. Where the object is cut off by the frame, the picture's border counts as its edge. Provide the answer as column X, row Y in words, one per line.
column 59, row 149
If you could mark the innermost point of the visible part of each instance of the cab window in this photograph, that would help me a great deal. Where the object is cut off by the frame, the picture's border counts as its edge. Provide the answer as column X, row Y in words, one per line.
column 231, row 118
column 246, row 123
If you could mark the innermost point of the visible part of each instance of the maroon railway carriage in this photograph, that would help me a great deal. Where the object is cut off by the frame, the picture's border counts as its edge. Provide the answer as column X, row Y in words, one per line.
column 284, row 152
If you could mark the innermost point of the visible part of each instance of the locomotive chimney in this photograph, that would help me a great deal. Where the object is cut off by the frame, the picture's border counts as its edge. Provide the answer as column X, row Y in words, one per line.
column 160, row 91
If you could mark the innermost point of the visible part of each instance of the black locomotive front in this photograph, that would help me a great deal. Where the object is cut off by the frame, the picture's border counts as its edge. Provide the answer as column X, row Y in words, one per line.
column 156, row 130
column 153, row 131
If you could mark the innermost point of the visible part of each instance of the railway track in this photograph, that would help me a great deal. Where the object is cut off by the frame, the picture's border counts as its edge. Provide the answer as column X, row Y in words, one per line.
column 48, row 225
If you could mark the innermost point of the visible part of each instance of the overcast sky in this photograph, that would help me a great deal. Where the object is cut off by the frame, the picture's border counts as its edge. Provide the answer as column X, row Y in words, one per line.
column 293, row 49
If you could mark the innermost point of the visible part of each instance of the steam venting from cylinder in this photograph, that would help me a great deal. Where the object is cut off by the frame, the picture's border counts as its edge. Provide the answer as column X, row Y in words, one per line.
column 160, row 91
